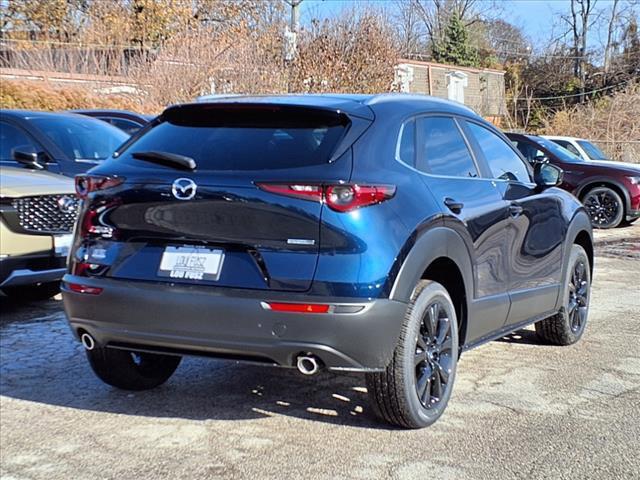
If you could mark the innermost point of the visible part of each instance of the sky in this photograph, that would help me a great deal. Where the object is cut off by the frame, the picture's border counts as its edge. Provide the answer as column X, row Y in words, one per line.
column 535, row 17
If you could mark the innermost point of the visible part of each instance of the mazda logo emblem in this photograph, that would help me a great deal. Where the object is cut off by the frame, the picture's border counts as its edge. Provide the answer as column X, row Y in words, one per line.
column 184, row 188
column 67, row 204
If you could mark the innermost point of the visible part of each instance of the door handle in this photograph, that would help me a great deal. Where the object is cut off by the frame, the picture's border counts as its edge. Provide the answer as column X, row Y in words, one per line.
column 515, row 210
column 453, row 205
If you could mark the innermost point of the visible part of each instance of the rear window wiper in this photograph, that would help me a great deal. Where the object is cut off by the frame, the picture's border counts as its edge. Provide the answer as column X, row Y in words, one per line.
column 167, row 159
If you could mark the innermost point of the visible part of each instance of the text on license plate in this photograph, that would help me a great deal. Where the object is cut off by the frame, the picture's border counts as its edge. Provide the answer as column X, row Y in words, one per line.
column 191, row 263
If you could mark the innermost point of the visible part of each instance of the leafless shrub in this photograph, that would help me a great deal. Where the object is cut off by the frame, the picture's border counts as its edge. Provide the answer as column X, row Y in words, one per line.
column 354, row 54
column 612, row 122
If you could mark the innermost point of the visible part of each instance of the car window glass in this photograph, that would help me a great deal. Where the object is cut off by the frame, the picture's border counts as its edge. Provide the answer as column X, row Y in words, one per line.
column 254, row 140
column 562, row 153
column 12, row 137
column 503, row 162
column 568, row 145
column 81, row 138
column 528, row 150
column 407, row 143
column 594, row 152
column 443, row 148
column 127, row 126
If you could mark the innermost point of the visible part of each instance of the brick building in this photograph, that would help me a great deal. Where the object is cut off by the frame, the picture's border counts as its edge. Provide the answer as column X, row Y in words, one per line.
column 481, row 89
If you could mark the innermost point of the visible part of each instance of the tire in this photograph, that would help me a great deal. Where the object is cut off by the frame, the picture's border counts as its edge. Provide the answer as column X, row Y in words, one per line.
column 605, row 207
column 419, row 363
column 568, row 325
column 33, row 293
column 132, row 371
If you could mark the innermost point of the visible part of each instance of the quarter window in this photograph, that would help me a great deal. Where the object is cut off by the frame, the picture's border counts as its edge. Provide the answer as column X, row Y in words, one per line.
column 407, row 144
column 442, row 148
column 503, row 162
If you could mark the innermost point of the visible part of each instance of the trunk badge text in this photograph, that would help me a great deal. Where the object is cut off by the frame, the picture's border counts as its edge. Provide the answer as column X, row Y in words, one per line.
column 184, row 188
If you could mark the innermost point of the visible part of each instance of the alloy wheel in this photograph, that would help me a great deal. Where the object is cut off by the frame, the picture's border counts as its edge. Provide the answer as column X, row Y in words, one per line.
column 603, row 207
column 433, row 356
column 578, row 297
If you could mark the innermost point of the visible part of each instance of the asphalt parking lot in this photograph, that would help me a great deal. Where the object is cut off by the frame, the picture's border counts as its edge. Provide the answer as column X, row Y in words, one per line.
column 519, row 409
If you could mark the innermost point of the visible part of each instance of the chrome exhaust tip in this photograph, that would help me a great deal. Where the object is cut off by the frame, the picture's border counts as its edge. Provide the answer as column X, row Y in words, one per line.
column 308, row 364
column 87, row 341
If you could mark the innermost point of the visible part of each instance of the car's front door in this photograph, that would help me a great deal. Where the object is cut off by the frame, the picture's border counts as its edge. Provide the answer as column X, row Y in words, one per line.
column 536, row 227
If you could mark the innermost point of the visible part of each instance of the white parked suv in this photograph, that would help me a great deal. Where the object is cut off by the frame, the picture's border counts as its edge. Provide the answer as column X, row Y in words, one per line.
column 580, row 147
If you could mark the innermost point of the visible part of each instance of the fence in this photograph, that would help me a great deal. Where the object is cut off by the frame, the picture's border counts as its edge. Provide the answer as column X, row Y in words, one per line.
column 623, row 151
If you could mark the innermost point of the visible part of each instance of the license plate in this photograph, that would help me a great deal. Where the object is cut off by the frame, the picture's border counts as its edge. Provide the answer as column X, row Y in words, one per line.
column 191, row 263
column 62, row 244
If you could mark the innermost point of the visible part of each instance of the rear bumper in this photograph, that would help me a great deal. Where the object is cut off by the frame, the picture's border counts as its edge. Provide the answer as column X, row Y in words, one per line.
column 232, row 323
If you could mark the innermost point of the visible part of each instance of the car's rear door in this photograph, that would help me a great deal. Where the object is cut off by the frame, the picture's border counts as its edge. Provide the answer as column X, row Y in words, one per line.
column 536, row 227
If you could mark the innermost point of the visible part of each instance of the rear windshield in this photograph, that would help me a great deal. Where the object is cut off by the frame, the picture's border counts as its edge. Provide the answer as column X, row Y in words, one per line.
column 246, row 138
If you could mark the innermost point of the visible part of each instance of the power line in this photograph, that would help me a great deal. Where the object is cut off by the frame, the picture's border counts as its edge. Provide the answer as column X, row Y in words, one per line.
column 560, row 97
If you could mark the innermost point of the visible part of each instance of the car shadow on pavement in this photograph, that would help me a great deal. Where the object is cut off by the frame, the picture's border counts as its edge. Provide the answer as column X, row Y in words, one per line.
column 41, row 362
column 523, row 337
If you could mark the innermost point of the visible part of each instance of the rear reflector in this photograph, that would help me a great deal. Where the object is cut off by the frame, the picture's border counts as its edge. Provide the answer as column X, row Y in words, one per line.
column 86, row 289
column 297, row 307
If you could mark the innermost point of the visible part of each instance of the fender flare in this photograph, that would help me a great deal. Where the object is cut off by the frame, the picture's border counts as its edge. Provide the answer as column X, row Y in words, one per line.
column 434, row 243
column 579, row 223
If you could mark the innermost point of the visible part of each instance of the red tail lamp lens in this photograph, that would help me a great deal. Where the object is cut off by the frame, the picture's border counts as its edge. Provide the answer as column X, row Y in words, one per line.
column 341, row 198
column 85, row 184
column 299, row 307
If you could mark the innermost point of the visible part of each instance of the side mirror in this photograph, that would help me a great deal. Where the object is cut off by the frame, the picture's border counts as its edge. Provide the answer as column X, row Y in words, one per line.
column 547, row 175
column 28, row 156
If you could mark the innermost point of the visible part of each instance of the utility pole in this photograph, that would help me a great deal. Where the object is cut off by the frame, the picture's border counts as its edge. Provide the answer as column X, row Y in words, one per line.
column 291, row 32
column 291, row 37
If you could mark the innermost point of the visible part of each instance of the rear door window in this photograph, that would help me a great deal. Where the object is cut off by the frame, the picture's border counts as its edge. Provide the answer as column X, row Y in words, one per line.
column 442, row 149
column 246, row 139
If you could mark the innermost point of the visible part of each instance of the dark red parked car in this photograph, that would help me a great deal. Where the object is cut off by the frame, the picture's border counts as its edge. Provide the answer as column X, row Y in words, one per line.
column 610, row 191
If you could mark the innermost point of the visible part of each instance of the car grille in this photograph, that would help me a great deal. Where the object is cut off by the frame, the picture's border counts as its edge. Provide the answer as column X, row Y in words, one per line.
column 47, row 213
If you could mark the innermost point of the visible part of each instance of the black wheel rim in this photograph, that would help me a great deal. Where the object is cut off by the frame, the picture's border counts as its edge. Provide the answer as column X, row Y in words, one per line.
column 578, row 296
column 433, row 357
column 603, row 207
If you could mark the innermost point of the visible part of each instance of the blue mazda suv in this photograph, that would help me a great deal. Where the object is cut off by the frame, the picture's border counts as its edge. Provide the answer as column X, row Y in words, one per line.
column 382, row 234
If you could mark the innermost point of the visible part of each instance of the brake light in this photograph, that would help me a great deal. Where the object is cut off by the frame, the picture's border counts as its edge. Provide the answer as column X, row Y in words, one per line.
column 341, row 198
column 85, row 184
column 297, row 307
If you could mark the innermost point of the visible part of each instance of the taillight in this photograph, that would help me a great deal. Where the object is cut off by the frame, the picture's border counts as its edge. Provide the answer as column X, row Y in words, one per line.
column 85, row 184
column 94, row 221
column 341, row 197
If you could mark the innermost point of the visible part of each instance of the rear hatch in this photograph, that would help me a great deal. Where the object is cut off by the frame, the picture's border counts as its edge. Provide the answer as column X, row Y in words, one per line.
column 168, row 224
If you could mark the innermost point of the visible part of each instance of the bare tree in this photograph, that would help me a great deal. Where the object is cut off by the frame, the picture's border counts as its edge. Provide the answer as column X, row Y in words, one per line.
column 580, row 21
